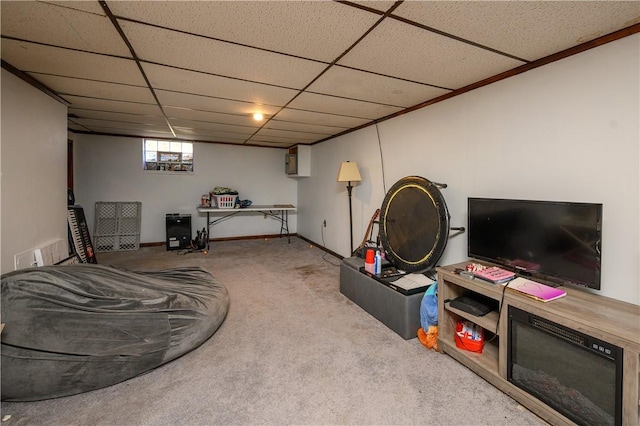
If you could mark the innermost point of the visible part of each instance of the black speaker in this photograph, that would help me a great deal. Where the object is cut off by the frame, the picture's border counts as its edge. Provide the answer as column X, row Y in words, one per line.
column 178, row 231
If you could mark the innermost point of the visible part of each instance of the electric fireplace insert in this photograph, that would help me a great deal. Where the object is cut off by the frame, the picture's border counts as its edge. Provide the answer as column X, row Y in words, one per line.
column 577, row 375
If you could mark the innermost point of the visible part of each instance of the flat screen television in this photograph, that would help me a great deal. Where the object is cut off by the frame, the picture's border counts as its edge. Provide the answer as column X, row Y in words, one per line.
column 552, row 242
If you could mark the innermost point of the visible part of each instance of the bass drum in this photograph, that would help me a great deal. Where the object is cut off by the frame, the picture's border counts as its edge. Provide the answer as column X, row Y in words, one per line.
column 414, row 224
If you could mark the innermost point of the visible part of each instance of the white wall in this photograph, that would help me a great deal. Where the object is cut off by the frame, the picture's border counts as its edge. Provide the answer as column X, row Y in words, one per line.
column 33, row 169
column 110, row 169
column 567, row 131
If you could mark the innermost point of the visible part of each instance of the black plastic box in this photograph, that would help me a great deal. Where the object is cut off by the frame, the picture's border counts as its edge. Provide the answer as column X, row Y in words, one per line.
column 178, row 231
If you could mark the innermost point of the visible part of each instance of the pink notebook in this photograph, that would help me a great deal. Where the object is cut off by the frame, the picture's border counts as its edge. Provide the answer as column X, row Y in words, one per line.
column 535, row 290
column 494, row 274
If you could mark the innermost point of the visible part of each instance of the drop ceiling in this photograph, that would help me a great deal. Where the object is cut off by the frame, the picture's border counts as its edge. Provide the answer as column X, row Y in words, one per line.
column 198, row 70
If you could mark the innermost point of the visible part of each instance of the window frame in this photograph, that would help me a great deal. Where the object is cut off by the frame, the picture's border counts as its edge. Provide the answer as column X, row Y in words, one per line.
column 170, row 156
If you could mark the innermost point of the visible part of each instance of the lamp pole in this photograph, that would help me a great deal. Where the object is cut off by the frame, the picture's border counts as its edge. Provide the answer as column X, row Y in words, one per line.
column 349, row 173
column 349, row 188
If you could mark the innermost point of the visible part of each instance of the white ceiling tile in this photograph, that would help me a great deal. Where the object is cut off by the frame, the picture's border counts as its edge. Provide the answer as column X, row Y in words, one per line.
column 207, row 139
column 167, row 78
column 319, row 30
column 63, row 26
column 263, row 137
column 142, row 128
column 382, row 6
column 149, row 133
column 217, row 57
column 341, row 106
column 209, row 135
column 116, row 116
column 96, row 89
column 298, row 116
column 82, row 5
column 288, row 134
column 219, row 127
column 30, row 57
column 303, row 127
column 207, row 103
column 405, row 51
column 243, row 45
column 113, row 106
column 526, row 29
column 349, row 83
column 213, row 117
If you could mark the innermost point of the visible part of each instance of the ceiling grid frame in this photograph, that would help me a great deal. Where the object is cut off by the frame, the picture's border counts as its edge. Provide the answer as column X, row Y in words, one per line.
column 351, row 89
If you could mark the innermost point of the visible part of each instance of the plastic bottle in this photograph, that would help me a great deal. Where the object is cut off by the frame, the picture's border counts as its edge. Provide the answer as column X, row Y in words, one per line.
column 378, row 263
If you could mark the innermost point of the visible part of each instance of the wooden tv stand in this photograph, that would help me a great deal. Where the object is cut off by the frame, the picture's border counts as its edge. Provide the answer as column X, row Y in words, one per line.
column 604, row 318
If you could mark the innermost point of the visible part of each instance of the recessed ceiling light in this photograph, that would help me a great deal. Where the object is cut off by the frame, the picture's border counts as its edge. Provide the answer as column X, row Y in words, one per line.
column 258, row 117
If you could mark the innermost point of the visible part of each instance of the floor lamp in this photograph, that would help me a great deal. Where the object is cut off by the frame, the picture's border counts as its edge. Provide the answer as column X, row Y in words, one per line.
column 349, row 173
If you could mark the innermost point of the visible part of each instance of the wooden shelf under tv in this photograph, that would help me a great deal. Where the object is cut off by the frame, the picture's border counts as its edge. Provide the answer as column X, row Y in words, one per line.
column 604, row 318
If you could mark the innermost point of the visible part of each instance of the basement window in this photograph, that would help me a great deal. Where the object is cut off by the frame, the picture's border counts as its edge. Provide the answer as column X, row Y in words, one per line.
column 167, row 156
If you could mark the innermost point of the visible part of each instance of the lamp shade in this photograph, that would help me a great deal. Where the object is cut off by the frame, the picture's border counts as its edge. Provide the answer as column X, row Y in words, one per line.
column 349, row 172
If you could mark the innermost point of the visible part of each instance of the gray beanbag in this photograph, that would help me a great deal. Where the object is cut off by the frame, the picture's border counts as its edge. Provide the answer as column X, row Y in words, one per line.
column 71, row 329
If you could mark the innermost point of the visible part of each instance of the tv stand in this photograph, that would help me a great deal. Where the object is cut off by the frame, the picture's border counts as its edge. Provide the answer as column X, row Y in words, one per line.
column 601, row 317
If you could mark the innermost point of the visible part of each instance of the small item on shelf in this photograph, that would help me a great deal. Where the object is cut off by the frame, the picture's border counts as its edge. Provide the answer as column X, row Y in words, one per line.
column 469, row 336
column 369, row 262
column 221, row 190
column 390, row 271
column 495, row 275
column 474, row 303
column 472, row 267
column 465, row 273
column 223, row 198
column 377, row 263
column 225, row 201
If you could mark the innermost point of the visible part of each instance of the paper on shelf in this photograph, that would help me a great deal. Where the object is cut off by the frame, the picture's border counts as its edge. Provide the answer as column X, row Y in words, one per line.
column 411, row 281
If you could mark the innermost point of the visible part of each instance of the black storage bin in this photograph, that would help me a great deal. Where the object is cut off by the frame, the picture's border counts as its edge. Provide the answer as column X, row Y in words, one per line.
column 178, row 231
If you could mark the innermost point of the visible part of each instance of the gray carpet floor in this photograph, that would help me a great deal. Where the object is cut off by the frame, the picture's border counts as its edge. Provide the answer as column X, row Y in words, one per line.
column 292, row 350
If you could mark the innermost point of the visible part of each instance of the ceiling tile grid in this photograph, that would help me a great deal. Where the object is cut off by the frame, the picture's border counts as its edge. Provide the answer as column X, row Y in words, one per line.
column 366, row 86
column 319, row 30
column 109, row 105
column 213, row 104
column 405, row 51
column 335, row 120
column 194, row 125
column 220, row 58
column 191, row 82
column 96, row 89
column 208, row 116
column 58, row 25
column 304, row 127
column 315, row 69
column 31, row 57
column 341, row 106
column 526, row 29
column 117, row 116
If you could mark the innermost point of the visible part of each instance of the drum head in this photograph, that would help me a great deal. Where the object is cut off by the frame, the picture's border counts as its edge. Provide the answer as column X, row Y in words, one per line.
column 414, row 224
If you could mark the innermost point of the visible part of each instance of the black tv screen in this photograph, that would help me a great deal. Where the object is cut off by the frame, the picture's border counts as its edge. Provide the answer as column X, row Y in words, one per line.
column 552, row 242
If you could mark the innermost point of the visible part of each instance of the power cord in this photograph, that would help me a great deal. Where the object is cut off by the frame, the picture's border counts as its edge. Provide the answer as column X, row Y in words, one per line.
column 384, row 185
column 186, row 252
column 504, row 289
column 324, row 256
